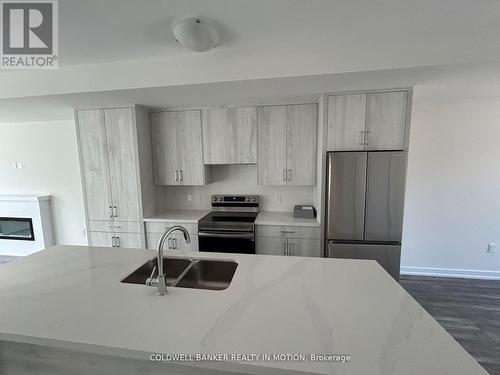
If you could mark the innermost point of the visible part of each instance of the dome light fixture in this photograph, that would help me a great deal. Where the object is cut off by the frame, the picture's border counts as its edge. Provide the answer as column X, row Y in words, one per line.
column 196, row 34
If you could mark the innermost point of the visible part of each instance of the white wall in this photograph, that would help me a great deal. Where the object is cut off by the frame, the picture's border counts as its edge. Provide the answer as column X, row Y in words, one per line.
column 452, row 208
column 238, row 179
column 48, row 152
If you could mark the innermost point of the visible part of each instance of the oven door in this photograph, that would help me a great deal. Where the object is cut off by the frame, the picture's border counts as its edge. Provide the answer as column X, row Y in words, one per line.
column 227, row 242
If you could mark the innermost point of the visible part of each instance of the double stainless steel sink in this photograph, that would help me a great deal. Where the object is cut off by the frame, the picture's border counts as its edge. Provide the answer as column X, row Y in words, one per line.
column 211, row 274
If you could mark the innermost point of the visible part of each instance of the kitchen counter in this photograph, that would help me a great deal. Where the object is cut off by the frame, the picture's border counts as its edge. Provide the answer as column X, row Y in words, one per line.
column 70, row 297
column 178, row 216
column 283, row 218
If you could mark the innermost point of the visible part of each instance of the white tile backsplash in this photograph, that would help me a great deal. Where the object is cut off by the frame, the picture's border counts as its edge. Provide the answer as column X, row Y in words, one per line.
column 236, row 179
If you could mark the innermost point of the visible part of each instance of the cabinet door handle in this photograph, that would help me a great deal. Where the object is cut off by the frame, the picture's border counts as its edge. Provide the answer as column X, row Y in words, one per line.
column 368, row 138
column 113, row 243
column 169, row 243
column 284, row 175
column 284, row 247
column 289, row 177
column 176, row 175
column 362, row 138
column 290, row 248
column 117, row 241
column 111, row 214
column 174, row 242
column 181, row 176
column 115, row 211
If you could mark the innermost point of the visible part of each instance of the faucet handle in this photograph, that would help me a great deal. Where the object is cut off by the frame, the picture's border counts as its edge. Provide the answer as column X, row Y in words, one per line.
column 152, row 281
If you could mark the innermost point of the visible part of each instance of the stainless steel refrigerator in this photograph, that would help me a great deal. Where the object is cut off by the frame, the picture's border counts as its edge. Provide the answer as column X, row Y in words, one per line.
column 365, row 197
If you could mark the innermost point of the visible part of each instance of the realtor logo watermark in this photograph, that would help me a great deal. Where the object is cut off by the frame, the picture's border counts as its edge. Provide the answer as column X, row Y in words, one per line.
column 29, row 34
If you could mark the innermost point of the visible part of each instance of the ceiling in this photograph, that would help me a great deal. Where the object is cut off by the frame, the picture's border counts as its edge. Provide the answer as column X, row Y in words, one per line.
column 122, row 51
column 103, row 31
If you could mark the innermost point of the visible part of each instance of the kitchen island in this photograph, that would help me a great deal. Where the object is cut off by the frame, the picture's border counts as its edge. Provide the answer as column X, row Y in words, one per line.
column 64, row 310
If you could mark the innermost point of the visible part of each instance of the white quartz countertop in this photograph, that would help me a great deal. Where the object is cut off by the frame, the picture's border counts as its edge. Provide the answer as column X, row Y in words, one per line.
column 283, row 218
column 178, row 216
column 71, row 296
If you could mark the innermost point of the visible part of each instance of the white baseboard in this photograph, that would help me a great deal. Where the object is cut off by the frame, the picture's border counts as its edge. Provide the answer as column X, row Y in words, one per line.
column 451, row 272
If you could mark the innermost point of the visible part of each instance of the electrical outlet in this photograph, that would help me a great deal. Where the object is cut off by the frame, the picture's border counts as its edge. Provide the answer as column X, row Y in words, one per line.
column 190, row 197
column 492, row 247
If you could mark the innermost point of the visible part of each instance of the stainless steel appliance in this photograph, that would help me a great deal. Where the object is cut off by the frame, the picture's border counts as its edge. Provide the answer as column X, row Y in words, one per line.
column 365, row 196
column 229, row 228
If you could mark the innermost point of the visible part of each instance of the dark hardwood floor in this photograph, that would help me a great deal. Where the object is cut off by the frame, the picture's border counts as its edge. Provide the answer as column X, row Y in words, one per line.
column 468, row 309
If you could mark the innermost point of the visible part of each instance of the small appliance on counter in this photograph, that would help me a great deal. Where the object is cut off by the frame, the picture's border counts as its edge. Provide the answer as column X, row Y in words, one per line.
column 304, row 211
column 229, row 228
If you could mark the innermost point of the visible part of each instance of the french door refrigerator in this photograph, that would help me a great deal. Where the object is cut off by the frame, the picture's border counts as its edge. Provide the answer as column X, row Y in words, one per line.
column 365, row 197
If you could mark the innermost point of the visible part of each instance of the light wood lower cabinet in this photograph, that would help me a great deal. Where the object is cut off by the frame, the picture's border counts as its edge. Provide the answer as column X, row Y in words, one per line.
column 160, row 227
column 288, row 240
column 305, row 247
column 175, row 242
column 111, row 239
column 114, row 226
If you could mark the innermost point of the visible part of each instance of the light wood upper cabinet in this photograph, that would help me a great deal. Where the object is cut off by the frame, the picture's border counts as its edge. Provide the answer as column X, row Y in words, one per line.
column 163, row 133
column 287, row 144
column 301, row 144
column 230, row 135
column 109, row 161
column 346, row 122
column 123, row 168
column 94, row 163
column 373, row 121
column 189, row 148
column 177, row 148
column 271, row 168
column 386, row 120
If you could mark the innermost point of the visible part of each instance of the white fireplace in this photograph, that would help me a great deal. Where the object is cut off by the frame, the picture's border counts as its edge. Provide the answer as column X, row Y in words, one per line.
column 25, row 224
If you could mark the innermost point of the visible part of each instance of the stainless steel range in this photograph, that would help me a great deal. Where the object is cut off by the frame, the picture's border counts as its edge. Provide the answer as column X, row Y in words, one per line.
column 229, row 228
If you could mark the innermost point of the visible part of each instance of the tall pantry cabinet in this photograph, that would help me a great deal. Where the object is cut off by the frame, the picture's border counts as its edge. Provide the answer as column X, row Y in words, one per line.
column 109, row 162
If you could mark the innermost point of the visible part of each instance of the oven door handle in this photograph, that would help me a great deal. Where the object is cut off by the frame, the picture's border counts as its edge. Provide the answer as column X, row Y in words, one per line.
column 227, row 235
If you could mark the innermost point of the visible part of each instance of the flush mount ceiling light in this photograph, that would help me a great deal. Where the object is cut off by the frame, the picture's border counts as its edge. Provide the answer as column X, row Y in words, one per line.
column 196, row 34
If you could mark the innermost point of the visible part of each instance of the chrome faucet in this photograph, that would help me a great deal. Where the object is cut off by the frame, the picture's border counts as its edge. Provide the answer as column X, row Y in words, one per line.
column 160, row 280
